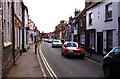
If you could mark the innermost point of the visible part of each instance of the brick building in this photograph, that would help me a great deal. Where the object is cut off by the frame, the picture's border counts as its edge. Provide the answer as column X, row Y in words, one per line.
column 0, row 38
column 11, row 32
column 7, row 42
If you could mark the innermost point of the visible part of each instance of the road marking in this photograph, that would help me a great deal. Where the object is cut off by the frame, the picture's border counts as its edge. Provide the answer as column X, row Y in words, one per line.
column 49, row 69
column 41, row 66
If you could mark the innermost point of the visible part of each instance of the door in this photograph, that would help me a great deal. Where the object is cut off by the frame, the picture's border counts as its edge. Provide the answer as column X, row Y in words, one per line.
column 100, row 42
column 87, row 41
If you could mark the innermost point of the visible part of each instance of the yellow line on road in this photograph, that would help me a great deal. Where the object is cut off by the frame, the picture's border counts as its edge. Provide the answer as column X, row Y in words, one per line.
column 49, row 69
column 41, row 66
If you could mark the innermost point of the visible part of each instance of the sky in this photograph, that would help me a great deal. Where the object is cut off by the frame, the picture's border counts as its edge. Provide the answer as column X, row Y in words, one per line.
column 46, row 14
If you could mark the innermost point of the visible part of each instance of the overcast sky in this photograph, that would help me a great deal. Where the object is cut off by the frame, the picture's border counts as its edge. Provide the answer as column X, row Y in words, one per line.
column 46, row 14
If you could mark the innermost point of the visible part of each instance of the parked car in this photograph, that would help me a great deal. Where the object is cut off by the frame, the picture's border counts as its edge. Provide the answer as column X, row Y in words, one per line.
column 56, row 43
column 72, row 49
column 111, row 64
column 50, row 40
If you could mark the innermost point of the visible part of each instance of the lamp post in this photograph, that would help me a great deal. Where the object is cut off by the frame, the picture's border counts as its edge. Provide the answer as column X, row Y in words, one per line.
column 35, row 40
column 13, row 33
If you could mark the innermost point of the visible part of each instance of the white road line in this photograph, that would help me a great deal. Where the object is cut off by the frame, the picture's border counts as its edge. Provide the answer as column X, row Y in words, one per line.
column 49, row 69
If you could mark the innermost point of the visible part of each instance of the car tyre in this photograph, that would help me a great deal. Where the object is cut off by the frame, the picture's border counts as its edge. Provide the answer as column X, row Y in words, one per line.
column 66, row 55
column 62, row 53
column 52, row 46
column 82, row 57
column 107, row 73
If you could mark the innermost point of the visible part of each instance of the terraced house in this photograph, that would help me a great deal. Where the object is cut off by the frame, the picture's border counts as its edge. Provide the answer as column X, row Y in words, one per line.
column 0, row 39
column 102, row 26
column 7, row 42
column 13, row 32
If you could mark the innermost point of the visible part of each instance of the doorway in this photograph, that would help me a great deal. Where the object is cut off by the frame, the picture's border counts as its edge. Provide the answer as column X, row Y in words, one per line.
column 100, row 43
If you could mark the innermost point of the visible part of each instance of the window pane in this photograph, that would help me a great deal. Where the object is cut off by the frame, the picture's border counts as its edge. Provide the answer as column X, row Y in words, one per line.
column 0, row 4
column 109, row 11
column 4, row 30
column 71, row 45
column 109, row 38
column 110, row 7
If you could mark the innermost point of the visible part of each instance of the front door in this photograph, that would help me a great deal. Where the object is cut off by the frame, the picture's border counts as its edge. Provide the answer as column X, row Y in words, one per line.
column 87, row 41
column 100, row 43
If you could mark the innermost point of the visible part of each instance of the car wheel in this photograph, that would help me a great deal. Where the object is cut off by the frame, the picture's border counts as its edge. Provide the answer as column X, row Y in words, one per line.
column 107, row 72
column 52, row 46
column 66, row 55
column 82, row 57
column 62, row 52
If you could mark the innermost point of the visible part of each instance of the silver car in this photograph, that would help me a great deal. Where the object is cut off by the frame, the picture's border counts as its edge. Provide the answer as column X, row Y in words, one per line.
column 56, row 43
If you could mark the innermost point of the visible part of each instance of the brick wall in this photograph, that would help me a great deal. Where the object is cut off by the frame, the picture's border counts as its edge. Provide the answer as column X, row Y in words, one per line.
column 0, row 41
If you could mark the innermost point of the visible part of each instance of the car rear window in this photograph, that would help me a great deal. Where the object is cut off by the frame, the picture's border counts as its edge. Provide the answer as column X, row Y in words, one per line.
column 56, row 41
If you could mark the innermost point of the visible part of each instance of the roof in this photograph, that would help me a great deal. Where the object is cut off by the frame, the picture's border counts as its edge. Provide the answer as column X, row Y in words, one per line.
column 92, row 5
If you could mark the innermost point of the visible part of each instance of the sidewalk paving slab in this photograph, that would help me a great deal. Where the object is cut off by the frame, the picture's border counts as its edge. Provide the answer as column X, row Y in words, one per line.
column 96, row 57
column 27, row 65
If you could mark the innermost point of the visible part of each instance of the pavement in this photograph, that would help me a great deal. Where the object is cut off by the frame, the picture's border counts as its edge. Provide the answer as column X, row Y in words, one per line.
column 27, row 64
column 96, row 57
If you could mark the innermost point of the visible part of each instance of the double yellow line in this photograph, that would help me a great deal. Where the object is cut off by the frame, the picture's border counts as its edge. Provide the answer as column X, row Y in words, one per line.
column 47, row 66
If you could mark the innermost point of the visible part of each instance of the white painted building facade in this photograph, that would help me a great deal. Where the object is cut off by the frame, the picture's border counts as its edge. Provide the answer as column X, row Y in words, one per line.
column 18, row 24
column 25, row 25
column 105, row 25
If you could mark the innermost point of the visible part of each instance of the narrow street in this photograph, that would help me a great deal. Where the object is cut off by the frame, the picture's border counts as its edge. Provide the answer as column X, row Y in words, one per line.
column 72, row 67
column 30, row 31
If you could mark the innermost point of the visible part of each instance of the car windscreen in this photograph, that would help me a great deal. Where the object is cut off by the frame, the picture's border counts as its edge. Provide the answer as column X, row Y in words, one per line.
column 71, row 45
column 117, row 50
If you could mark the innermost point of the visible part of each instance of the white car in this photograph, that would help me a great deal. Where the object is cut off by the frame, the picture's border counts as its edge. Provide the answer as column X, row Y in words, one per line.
column 56, row 43
column 50, row 40
column 45, row 40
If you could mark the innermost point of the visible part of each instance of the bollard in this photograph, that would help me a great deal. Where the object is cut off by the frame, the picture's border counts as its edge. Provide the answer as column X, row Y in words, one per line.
column 35, row 48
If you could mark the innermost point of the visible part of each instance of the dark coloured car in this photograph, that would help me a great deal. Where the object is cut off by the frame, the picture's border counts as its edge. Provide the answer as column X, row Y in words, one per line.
column 72, row 49
column 111, row 64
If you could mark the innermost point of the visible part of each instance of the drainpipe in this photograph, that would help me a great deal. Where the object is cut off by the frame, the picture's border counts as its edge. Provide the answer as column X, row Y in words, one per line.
column 23, row 29
column 13, row 33
column 118, row 31
column 78, row 32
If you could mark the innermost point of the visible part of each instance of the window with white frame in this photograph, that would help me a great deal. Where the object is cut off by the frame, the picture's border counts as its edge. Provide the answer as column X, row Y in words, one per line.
column 109, row 38
column 90, row 18
column 0, row 4
column 108, row 11
column 6, row 25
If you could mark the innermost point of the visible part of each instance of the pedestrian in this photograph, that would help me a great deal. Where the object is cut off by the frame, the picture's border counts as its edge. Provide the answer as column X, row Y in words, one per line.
column 91, row 50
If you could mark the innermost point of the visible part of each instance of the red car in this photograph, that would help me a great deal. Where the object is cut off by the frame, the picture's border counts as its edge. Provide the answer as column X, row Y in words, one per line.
column 72, row 49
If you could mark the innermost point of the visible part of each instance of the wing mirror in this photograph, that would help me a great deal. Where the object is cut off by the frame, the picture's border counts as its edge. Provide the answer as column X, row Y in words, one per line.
column 65, row 45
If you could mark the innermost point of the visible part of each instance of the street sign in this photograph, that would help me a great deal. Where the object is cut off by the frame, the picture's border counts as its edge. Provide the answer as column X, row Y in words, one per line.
column 75, row 31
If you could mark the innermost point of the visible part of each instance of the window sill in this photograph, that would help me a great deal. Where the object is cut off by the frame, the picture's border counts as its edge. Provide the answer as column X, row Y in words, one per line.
column 6, row 44
column 108, row 20
column 90, row 24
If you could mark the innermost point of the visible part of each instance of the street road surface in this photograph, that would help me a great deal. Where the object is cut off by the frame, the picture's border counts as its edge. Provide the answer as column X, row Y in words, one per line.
column 70, row 67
